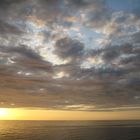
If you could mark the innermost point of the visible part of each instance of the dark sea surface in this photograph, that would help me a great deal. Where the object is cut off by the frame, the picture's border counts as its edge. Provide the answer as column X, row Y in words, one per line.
column 69, row 130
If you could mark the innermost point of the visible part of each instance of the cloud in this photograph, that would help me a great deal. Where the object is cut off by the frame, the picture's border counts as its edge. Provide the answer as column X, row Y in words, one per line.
column 9, row 2
column 97, row 14
column 6, row 28
column 67, row 48
column 45, row 64
column 135, row 37
column 25, row 51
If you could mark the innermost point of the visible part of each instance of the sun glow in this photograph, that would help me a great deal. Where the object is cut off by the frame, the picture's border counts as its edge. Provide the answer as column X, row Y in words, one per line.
column 13, row 114
column 41, row 114
column 3, row 112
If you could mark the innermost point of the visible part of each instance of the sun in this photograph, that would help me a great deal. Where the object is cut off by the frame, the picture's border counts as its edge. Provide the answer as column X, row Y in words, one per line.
column 3, row 112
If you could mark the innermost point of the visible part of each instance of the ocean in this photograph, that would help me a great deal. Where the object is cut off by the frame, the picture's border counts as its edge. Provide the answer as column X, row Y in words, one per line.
column 69, row 130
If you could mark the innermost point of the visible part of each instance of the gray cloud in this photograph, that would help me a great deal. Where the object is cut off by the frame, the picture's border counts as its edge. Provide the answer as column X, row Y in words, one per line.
column 67, row 48
column 9, row 29
column 135, row 38
column 25, row 51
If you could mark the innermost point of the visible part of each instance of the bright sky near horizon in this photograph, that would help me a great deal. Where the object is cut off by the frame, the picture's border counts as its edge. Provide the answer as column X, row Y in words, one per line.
column 70, row 59
column 36, row 114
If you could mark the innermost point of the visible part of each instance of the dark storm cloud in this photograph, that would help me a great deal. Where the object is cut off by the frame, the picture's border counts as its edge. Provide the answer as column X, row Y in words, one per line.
column 28, row 79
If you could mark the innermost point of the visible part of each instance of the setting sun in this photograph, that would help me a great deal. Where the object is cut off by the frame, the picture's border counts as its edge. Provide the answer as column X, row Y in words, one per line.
column 9, row 114
column 3, row 112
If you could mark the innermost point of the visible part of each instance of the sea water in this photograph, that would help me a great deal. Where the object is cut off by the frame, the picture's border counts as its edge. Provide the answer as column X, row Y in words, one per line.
column 69, row 130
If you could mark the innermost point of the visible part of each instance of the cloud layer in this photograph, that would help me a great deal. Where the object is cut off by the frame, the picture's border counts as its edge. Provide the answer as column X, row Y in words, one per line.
column 69, row 54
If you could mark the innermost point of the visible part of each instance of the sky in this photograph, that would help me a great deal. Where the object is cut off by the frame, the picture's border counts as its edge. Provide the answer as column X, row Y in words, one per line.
column 69, row 58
